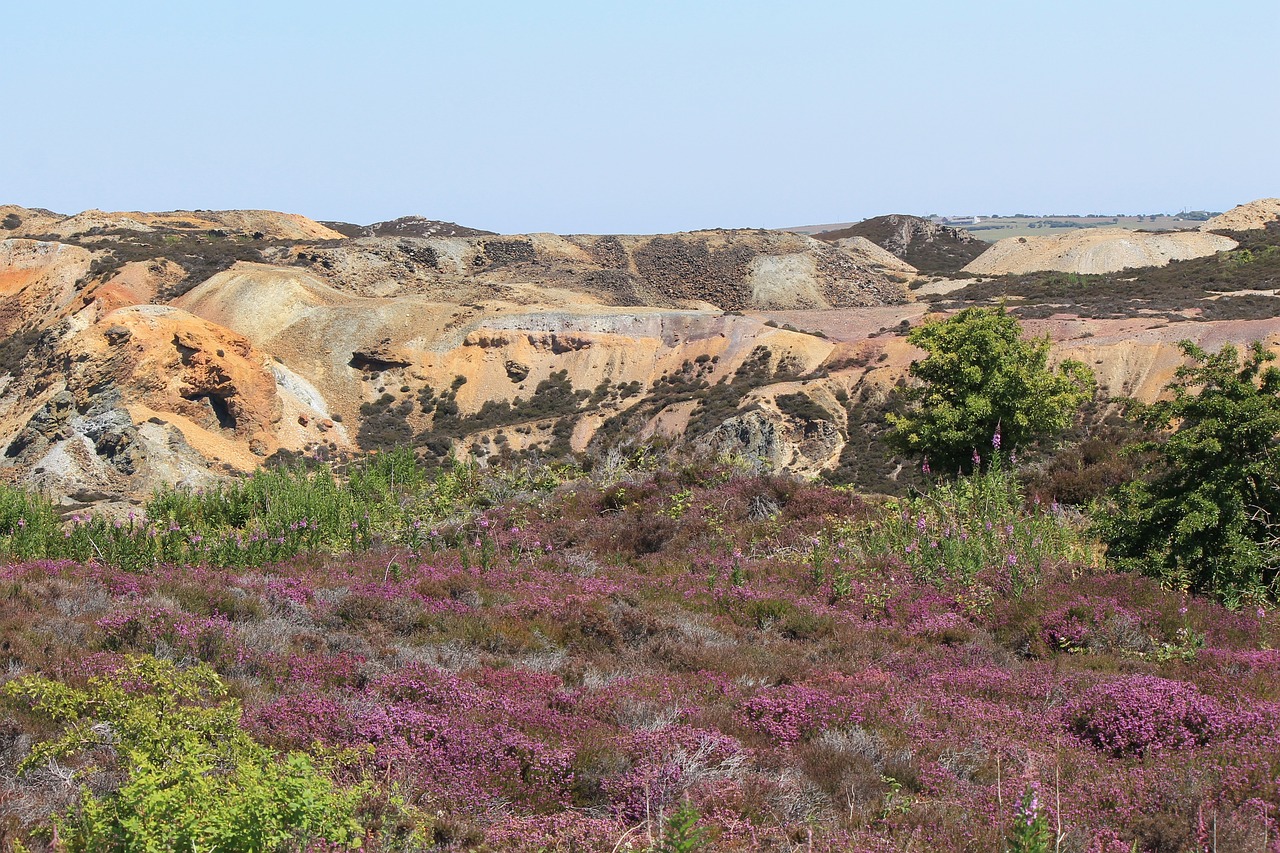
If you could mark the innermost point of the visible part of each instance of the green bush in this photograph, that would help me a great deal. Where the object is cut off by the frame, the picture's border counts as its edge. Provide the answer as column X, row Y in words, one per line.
column 1205, row 518
column 192, row 778
column 982, row 379
column 273, row 514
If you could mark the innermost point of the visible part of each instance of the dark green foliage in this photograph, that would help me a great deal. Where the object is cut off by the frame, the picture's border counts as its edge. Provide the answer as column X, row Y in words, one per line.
column 11, row 222
column 682, row 833
column 553, row 397
column 15, row 347
column 1204, row 519
column 802, row 406
column 385, row 423
column 981, row 378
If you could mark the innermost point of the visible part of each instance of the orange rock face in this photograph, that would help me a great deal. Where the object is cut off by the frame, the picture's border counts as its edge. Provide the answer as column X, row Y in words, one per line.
column 175, row 362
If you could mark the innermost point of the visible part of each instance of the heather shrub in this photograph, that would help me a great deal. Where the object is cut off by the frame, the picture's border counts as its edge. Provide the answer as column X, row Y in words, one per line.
column 1088, row 623
column 788, row 713
column 190, row 777
column 1137, row 714
column 484, row 692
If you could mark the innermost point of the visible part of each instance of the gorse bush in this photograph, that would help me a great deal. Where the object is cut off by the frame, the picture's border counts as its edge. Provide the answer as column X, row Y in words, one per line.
column 192, row 778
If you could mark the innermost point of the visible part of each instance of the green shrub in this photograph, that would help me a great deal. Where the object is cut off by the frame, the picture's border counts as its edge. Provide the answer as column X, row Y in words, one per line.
column 960, row 529
column 983, row 380
column 192, row 778
column 1205, row 519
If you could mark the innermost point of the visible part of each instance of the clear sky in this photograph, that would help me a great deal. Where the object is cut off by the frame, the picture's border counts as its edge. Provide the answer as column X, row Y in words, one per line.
column 639, row 117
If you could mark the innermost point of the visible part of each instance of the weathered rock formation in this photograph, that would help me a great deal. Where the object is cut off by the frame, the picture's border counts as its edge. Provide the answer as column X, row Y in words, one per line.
column 925, row 245
column 731, row 270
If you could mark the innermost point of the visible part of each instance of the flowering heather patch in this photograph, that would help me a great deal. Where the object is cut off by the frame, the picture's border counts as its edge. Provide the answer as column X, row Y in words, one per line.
column 568, row 673
column 1136, row 714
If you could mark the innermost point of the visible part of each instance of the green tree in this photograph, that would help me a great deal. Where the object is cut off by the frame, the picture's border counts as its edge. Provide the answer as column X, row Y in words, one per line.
column 982, row 377
column 193, row 779
column 1203, row 518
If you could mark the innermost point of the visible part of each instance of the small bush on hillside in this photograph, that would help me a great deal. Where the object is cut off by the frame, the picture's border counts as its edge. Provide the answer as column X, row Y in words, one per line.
column 802, row 407
column 14, row 349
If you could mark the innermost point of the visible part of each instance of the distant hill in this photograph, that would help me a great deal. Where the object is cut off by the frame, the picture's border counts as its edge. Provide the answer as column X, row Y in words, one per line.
column 927, row 246
column 408, row 226
column 1096, row 251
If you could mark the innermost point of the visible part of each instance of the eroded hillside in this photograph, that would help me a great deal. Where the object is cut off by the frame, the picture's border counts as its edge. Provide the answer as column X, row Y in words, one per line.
column 143, row 349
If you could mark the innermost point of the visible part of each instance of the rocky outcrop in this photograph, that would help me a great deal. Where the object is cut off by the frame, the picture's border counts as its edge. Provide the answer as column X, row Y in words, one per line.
column 926, row 245
column 778, row 443
column 77, row 418
column 750, row 342
column 1096, row 251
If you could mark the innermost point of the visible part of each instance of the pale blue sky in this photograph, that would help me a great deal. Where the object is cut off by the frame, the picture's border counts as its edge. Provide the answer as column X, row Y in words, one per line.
column 640, row 116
